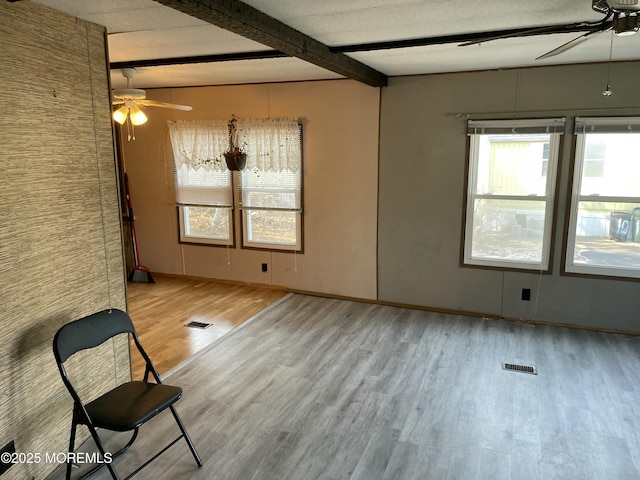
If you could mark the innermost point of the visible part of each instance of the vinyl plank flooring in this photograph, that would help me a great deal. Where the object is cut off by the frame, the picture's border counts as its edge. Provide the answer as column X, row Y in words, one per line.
column 494, row 465
column 464, row 463
column 615, row 458
column 325, row 389
column 409, row 462
column 353, row 440
column 525, row 460
column 377, row 454
column 321, row 441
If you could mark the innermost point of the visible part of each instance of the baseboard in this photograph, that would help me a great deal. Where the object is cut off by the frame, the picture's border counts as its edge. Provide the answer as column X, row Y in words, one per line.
column 573, row 326
column 399, row 305
column 396, row 304
column 222, row 281
column 466, row 313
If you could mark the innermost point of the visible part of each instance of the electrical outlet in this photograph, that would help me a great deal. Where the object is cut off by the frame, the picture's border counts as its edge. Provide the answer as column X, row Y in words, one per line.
column 526, row 294
column 8, row 448
column 265, row 267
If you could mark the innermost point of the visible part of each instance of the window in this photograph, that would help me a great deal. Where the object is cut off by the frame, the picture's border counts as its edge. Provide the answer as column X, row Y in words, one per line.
column 510, row 192
column 204, row 193
column 271, row 184
column 604, row 221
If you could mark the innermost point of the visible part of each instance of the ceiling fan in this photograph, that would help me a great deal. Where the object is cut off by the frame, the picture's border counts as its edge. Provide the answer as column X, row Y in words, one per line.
column 621, row 16
column 131, row 99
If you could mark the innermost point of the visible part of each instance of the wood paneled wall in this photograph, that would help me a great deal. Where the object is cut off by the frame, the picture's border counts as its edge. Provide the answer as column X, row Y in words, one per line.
column 60, row 226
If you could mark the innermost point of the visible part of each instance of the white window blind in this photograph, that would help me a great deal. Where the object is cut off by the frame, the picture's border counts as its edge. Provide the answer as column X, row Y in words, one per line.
column 201, row 174
column 521, row 126
column 607, row 125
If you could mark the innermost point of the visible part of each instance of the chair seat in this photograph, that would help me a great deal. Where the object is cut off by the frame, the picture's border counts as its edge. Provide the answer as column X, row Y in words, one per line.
column 131, row 404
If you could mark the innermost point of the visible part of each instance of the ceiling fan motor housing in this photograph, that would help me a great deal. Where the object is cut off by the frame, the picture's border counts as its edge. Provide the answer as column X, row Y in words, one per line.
column 627, row 24
column 129, row 94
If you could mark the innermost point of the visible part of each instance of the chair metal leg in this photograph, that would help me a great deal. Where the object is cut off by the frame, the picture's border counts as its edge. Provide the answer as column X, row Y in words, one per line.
column 126, row 447
column 113, row 457
column 72, row 441
column 103, row 452
column 114, row 474
column 186, row 437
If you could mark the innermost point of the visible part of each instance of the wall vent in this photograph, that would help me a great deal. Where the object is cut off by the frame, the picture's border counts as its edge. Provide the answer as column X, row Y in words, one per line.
column 520, row 368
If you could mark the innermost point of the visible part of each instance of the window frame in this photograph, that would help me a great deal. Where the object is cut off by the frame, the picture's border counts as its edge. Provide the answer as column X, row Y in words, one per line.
column 192, row 200
column 552, row 126
column 235, row 188
column 288, row 248
column 245, row 211
column 622, row 125
column 184, row 238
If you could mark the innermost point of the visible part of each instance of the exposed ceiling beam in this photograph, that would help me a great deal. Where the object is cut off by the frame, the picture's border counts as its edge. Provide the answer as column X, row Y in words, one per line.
column 242, row 19
column 222, row 57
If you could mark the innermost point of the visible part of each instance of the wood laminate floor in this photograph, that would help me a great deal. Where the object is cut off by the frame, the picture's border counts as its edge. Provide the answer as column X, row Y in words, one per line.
column 327, row 389
column 161, row 310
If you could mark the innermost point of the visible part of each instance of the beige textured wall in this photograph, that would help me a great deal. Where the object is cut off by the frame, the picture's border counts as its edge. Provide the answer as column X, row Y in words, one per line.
column 60, row 234
column 340, row 129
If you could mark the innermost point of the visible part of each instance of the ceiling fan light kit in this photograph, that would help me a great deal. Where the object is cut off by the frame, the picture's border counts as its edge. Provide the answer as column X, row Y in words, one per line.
column 132, row 112
column 131, row 99
column 137, row 116
column 120, row 115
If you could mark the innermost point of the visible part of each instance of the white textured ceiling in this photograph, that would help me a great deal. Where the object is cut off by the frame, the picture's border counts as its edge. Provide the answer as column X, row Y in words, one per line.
column 144, row 29
column 336, row 22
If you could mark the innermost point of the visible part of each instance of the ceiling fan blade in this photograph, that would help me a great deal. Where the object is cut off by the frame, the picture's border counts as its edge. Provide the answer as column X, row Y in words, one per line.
column 601, row 25
column 521, row 33
column 153, row 103
column 570, row 44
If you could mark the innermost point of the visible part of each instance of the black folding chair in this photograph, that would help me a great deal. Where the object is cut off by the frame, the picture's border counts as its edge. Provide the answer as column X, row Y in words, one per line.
column 127, row 406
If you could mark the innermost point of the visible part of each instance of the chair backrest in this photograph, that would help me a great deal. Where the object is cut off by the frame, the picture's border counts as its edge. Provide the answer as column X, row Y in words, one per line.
column 89, row 332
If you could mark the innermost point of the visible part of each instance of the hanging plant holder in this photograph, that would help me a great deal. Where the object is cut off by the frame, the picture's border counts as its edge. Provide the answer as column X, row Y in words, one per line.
column 236, row 158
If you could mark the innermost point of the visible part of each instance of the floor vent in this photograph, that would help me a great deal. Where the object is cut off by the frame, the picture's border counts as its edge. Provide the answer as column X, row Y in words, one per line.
column 520, row 368
column 201, row 325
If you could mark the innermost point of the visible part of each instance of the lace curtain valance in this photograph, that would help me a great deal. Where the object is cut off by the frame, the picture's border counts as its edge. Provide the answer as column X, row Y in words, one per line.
column 271, row 144
column 199, row 144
